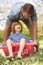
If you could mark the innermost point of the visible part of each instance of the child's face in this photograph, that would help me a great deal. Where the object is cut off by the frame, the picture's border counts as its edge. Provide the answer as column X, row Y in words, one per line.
column 18, row 28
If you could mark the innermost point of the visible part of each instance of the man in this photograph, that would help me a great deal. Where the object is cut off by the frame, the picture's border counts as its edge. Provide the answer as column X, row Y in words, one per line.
column 26, row 12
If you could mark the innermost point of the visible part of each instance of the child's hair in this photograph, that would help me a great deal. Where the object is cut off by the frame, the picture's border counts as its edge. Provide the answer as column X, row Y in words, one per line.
column 14, row 24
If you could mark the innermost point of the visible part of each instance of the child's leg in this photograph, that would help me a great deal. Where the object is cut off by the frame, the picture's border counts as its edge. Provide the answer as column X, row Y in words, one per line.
column 9, row 47
column 22, row 44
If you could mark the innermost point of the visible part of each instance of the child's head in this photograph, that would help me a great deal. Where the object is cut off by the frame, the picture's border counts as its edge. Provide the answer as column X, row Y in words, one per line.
column 16, row 27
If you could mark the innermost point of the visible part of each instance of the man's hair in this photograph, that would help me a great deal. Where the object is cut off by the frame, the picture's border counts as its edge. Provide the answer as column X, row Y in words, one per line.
column 14, row 24
column 28, row 8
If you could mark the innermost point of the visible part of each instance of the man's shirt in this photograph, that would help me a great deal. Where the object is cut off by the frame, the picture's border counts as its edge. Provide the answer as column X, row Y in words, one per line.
column 15, row 13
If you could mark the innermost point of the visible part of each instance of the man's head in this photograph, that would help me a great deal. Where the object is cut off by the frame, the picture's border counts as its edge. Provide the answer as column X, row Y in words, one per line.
column 27, row 10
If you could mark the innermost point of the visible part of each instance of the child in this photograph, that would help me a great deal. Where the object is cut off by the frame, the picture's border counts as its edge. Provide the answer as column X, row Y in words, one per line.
column 16, row 37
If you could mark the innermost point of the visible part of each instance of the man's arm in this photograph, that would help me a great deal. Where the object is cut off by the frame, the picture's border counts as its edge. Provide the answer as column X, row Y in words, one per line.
column 35, row 36
column 35, row 27
column 35, row 30
column 6, row 32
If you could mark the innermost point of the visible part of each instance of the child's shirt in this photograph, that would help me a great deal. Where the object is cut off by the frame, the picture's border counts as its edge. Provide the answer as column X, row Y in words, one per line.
column 17, row 37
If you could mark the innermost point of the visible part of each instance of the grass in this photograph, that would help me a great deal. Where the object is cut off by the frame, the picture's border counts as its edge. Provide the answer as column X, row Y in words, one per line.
column 34, row 60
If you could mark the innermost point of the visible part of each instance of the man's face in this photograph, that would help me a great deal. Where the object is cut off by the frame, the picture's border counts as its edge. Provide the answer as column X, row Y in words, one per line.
column 25, row 15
